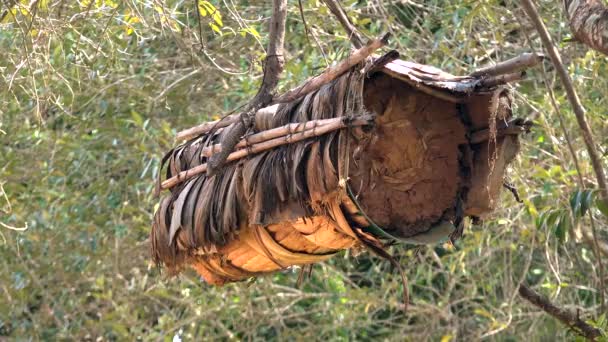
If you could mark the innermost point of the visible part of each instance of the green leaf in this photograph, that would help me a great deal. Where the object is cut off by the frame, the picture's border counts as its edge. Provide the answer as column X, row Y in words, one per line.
column 553, row 218
column 587, row 201
column 602, row 206
column 563, row 226
column 540, row 220
column 575, row 203
column 139, row 121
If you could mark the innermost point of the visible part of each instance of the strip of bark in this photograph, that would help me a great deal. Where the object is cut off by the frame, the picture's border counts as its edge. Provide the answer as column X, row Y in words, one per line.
column 351, row 30
column 513, row 65
column 589, row 22
column 566, row 317
column 269, row 144
column 445, row 95
column 332, row 73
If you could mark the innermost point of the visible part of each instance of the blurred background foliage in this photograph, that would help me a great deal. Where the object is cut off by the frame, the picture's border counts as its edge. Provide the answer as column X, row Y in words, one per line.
column 93, row 91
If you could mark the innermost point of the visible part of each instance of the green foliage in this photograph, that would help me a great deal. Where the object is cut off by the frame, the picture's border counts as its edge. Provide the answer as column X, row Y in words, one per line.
column 92, row 93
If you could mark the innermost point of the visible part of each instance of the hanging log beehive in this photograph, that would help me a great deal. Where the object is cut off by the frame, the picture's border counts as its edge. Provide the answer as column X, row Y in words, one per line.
column 406, row 148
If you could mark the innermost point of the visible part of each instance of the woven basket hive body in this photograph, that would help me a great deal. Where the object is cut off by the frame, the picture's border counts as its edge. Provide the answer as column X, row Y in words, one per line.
column 416, row 167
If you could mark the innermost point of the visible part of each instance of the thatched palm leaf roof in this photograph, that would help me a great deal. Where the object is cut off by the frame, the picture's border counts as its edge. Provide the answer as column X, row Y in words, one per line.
column 283, row 184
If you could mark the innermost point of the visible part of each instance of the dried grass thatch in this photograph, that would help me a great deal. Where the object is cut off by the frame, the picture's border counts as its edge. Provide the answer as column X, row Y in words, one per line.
column 417, row 164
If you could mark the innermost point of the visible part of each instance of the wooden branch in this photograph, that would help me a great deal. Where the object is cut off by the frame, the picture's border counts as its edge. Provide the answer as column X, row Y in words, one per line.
column 513, row 65
column 566, row 317
column 229, row 140
column 273, row 133
column 273, row 68
column 275, row 60
column 575, row 102
column 269, row 144
column 589, row 22
column 351, row 30
column 332, row 73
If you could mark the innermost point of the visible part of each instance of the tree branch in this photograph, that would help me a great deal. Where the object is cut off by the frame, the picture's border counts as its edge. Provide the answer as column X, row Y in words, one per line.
column 332, row 73
column 566, row 317
column 589, row 22
column 351, row 30
column 515, row 64
column 275, row 61
column 273, row 68
column 575, row 102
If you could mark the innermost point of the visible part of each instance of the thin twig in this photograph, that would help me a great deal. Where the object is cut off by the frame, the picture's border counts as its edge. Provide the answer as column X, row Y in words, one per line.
column 9, row 7
column 332, row 73
column 308, row 31
column 351, row 30
column 588, row 236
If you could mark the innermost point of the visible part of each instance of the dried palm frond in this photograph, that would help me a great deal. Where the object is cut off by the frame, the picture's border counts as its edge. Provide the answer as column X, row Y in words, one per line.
column 289, row 183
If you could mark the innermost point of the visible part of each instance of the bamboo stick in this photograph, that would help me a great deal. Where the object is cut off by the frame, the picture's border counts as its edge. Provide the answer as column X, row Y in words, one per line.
column 269, row 144
column 271, row 134
column 221, row 123
column 206, row 127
